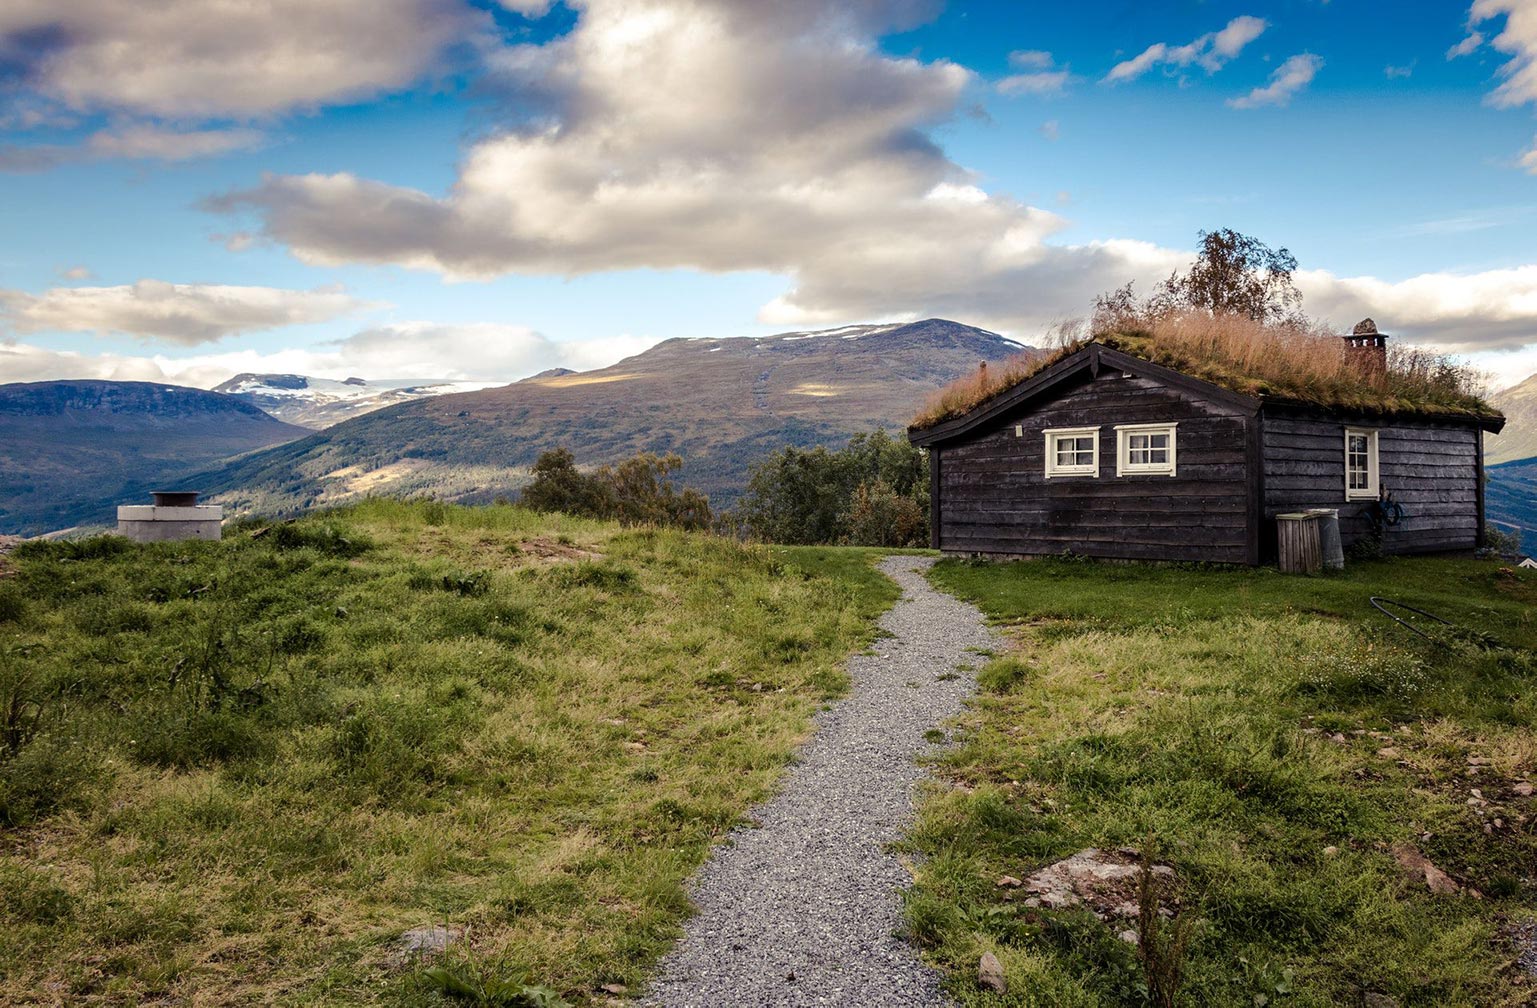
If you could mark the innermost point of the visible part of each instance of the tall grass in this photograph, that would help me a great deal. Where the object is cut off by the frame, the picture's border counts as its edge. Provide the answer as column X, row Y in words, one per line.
column 236, row 772
column 1296, row 360
column 1278, row 738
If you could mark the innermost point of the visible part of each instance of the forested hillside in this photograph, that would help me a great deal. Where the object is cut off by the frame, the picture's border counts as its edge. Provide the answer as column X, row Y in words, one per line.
column 720, row 404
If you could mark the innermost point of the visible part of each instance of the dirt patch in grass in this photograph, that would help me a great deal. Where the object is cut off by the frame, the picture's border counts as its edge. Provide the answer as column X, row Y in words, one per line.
column 553, row 551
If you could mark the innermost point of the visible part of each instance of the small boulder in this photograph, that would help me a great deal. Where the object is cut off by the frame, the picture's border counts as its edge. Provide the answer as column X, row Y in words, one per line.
column 1375, row 999
column 1008, row 882
column 1104, row 881
column 990, row 974
column 1523, row 789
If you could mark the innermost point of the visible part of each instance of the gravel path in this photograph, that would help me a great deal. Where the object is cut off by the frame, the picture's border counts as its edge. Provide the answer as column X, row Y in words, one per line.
column 805, row 909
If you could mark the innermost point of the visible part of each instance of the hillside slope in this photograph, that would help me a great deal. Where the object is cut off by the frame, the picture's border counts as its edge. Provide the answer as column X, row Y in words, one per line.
column 70, row 450
column 317, row 403
column 720, row 403
column 1510, row 500
column 1519, row 438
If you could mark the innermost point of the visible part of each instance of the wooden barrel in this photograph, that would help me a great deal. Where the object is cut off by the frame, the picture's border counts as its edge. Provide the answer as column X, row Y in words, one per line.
column 1299, row 543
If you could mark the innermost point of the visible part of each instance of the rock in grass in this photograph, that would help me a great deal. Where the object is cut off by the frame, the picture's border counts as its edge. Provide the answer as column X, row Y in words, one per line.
column 1523, row 789
column 1418, row 865
column 432, row 940
column 990, row 974
column 1374, row 999
column 1105, row 881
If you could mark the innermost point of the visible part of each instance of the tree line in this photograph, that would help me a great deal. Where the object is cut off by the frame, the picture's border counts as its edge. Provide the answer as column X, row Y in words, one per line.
column 872, row 492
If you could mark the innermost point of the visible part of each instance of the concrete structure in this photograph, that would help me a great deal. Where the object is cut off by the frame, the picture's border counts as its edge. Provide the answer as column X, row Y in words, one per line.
column 175, row 515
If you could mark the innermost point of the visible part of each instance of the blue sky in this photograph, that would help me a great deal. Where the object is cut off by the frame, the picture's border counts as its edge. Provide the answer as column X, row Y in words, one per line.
column 440, row 188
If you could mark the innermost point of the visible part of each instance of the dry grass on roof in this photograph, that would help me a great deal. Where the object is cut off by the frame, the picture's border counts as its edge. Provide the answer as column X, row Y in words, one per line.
column 1300, row 362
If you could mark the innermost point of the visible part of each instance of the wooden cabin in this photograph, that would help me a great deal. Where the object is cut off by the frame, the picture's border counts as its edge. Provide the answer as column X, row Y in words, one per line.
column 1106, row 454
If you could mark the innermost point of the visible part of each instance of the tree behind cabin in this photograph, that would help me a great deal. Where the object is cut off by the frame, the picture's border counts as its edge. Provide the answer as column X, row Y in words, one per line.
column 873, row 492
column 639, row 491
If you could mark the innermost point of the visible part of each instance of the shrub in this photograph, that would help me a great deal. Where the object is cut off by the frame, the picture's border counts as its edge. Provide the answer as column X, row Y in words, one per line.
column 1002, row 674
column 321, row 537
column 873, row 492
column 13, row 605
column 99, row 547
column 47, row 775
column 639, row 491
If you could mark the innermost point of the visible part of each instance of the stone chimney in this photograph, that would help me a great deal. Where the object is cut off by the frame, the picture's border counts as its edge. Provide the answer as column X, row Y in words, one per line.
column 1368, row 347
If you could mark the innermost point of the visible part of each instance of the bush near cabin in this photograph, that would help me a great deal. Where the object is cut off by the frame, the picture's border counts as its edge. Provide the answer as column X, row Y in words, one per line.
column 872, row 492
column 638, row 491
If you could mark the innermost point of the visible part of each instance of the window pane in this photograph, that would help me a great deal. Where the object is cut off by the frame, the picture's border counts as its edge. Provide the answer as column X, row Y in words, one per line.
column 1150, row 448
column 1074, row 451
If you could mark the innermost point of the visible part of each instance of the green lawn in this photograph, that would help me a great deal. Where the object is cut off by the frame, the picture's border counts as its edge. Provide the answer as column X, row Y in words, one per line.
column 1274, row 737
column 235, row 772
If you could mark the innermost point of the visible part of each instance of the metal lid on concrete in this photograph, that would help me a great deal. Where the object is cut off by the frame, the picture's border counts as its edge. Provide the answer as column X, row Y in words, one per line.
column 175, row 498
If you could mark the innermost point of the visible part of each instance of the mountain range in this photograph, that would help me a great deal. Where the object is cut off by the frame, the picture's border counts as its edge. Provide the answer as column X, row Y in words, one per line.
column 318, row 403
column 70, row 449
column 721, row 404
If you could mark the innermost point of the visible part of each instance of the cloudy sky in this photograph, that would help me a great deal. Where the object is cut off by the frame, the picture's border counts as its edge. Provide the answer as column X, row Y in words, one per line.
column 477, row 189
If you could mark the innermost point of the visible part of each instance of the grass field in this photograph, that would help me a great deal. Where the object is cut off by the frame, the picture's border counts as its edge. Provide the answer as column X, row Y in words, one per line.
column 1275, row 738
column 236, row 772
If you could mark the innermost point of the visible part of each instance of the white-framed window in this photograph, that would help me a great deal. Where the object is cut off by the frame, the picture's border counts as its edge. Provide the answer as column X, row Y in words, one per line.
column 1146, row 449
column 1360, row 464
column 1072, row 451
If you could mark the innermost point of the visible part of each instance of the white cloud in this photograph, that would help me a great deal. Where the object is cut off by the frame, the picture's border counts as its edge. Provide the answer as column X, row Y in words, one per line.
column 76, row 273
column 1039, row 74
column 724, row 136
column 186, row 314
column 1519, row 39
column 426, row 350
column 1529, row 159
column 192, row 58
column 1399, row 72
column 1211, row 51
column 1460, row 313
column 1289, row 78
column 140, row 141
column 1466, row 46
column 708, row 135
column 1031, row 59
column 1051, row 129
column 1044, row 83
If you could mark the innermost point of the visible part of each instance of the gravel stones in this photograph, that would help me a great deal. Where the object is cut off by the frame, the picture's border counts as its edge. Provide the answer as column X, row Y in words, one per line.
column 812, row 892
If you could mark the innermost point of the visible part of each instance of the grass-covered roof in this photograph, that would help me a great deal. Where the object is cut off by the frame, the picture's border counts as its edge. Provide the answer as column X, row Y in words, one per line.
column 1288, row 362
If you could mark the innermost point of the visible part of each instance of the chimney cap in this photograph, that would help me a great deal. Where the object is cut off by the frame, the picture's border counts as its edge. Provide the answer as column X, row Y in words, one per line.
column 1365, row 327
column 175, row 498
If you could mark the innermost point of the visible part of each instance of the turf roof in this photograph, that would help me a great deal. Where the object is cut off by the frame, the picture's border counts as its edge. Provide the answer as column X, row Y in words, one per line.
column 1415, row 384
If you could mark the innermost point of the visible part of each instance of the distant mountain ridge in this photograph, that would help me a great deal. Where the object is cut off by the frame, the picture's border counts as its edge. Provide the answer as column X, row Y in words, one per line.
column 317, row 403
column 1519, row 438
column 722, row 404
column 69, row 450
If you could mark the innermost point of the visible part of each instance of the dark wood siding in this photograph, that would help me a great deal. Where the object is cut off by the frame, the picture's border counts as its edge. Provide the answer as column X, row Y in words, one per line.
column 1431, row 470
column 996, row 499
